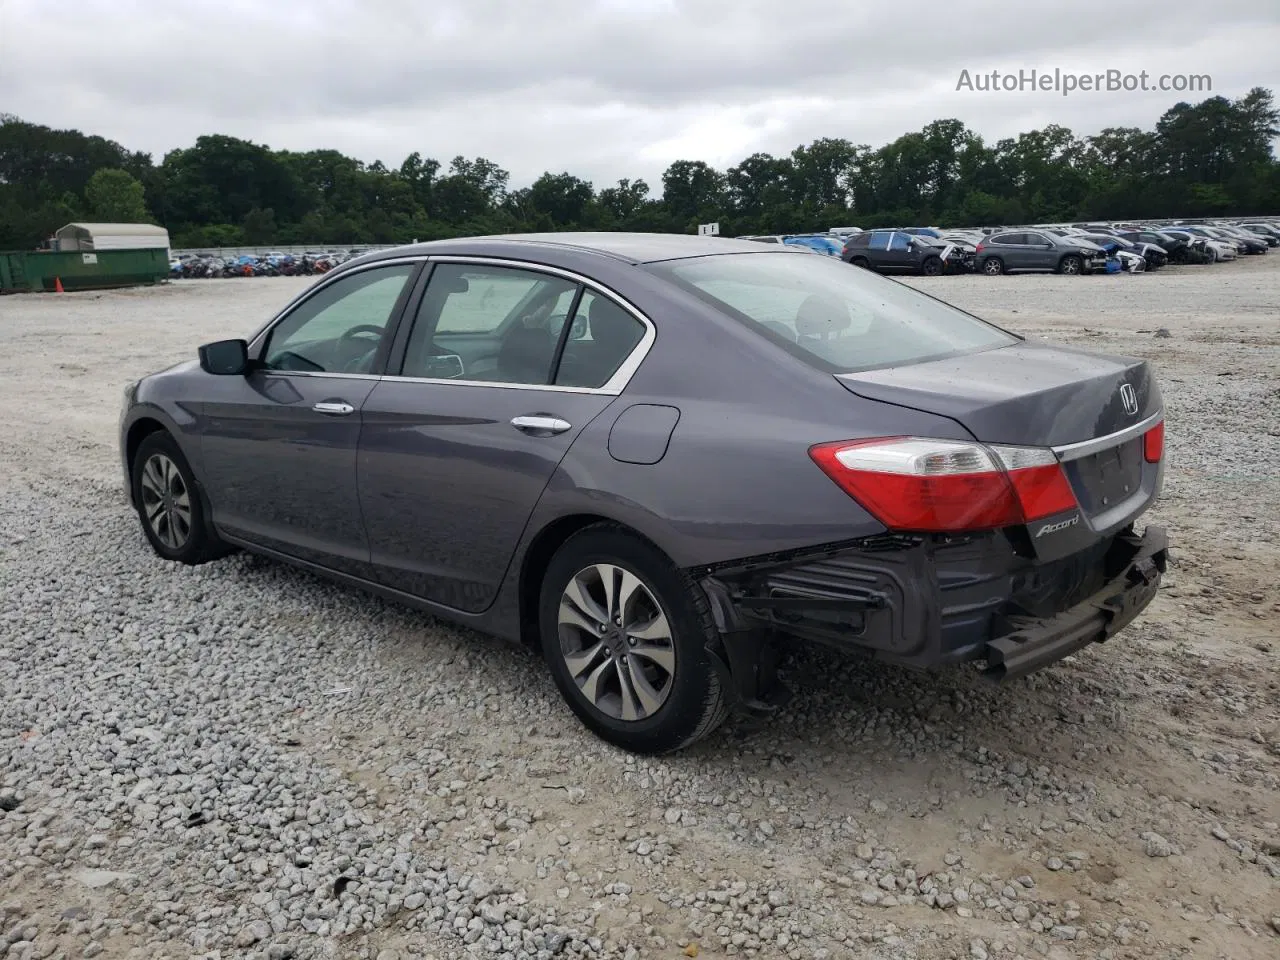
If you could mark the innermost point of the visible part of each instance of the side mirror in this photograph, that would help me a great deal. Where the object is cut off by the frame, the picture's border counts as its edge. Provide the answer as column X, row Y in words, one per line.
column 226, row 358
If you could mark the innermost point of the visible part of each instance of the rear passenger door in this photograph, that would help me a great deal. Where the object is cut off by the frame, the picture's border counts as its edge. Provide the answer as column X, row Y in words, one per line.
column 501, row 370
column 878, row 249
column 1014, row 252
column 900, row 256
column 1040, row 251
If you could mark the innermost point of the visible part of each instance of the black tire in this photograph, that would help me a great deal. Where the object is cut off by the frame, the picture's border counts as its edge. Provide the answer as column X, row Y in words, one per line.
column 931, row 267
column 1071, row 265
column 694, row 701
column 190, row 542
column 993, row 266
column 861, row 262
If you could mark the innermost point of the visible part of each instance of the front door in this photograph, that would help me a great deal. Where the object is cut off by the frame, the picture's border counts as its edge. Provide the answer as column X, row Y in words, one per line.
column 503, row 369
column 279, row 445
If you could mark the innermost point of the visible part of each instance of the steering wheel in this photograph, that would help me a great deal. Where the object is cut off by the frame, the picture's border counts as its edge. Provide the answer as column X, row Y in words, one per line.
column 356, row 363
column 364, row 328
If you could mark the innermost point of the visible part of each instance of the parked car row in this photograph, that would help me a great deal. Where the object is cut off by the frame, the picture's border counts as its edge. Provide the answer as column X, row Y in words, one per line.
column 194, row 265
column 1072, row 249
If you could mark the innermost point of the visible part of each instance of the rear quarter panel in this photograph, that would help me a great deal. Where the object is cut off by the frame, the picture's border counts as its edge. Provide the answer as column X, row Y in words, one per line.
column 736, row 479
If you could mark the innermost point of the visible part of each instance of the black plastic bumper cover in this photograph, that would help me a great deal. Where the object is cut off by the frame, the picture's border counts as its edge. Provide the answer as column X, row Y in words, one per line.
column 1035, row 643
column 924, row 606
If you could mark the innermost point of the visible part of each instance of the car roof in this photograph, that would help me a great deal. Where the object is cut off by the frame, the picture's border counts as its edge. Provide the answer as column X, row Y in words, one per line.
column 628, row 247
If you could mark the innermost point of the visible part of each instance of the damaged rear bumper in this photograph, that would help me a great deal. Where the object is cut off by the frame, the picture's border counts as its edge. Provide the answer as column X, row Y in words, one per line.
column 1036, row 642
column 927, row 602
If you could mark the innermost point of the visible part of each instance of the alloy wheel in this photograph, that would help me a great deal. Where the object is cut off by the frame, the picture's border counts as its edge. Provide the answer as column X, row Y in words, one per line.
column 616, row 642
column 166, row 501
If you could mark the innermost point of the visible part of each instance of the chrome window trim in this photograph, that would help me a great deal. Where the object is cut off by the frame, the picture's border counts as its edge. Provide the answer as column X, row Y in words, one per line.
column 256, row 342
column 1085, row 448
column 621, row 377
column 549, row 387
column 319, row 373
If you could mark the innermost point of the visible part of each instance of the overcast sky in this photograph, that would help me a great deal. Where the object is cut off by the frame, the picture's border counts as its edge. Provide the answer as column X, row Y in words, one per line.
column 601, row 88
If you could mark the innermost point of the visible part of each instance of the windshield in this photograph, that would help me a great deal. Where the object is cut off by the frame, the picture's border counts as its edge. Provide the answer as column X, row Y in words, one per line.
column 838, row 318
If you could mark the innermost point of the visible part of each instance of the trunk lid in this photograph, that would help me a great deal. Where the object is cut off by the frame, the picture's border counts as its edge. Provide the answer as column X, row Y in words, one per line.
column 1030, row 393
column 1037, row 395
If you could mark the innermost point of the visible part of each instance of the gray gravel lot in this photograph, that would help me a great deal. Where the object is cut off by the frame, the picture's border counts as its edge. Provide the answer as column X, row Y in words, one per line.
column 241, row 760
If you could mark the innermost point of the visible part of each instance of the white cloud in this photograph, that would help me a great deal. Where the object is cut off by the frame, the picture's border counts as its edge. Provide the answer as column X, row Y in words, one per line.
column 609, row 89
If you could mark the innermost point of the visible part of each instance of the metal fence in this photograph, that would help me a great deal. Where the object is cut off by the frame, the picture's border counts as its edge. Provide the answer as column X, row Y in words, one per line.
column 296, row 250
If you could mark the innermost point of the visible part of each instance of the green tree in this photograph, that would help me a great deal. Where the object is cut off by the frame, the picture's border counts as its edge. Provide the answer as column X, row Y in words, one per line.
column 562, row 197
column 260, row 226
column 691, row 188
column 116, row 197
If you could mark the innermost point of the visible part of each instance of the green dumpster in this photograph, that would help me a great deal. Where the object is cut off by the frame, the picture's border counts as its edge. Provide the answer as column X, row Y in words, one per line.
column 24, row 271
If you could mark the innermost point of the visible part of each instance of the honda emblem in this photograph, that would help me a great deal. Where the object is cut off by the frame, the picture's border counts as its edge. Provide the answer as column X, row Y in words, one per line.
column 1129, row 397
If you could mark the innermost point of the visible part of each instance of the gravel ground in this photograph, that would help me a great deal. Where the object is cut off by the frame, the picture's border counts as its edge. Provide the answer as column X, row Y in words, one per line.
column 241, row 760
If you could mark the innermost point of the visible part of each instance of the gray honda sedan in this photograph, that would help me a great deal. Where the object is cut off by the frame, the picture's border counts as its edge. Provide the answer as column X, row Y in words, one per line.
column 659, row 460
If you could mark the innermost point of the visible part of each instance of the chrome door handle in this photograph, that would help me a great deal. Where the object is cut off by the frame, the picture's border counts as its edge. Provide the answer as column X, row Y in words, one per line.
column 333, row 408
column 541, row 424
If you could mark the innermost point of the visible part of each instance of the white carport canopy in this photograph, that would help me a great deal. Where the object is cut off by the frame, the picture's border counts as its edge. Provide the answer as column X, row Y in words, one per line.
column 112, row 236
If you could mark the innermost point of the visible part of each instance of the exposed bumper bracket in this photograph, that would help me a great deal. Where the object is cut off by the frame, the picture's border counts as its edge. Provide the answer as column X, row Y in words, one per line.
column 744, row 654
column 1034, row 642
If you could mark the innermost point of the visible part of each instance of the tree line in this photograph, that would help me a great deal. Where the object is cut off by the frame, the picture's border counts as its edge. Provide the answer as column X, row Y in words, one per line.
column 1211, row 158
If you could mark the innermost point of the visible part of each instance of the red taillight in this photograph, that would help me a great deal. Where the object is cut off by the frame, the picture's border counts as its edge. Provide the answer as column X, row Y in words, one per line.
column 909, row 483
column 979, row 248
column 1153, row 443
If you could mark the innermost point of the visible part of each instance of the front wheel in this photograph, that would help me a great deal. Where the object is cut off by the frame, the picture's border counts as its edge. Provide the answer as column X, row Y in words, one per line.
column 168, row 503
column 625, row 635
column 931, row 267
column 1070, row 265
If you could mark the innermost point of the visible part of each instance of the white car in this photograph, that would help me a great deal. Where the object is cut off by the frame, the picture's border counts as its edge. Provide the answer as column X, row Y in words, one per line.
column 1221, row 237
column 1220, row 249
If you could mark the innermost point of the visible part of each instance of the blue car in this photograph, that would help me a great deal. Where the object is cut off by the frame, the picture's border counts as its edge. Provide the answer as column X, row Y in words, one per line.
column 831, row 246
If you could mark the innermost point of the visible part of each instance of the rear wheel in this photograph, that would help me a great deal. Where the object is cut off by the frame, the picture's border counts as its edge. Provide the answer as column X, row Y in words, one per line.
column 625, row 635
column 168, row 503
column 931, row 267
column 993, row 266
column 861, row 262
column 1070, row 265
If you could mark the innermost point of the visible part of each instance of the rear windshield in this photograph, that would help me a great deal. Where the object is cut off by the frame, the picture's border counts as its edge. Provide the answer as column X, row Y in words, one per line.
column 837, row 317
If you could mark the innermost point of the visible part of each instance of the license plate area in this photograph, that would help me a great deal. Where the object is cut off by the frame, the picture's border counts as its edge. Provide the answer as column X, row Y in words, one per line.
column 1107, row 478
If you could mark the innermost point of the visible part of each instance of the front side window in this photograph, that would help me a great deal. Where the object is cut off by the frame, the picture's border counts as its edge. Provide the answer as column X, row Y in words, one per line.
column 900, row 242
column 497, row 324
column 836, row 319
column 341, row 328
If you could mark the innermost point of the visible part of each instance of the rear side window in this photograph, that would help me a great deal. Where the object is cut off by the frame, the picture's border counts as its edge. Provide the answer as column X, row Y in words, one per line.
column 603, row 335
column 488, row 323
column 879, row 240
column 858, row 242
column 836, row 319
